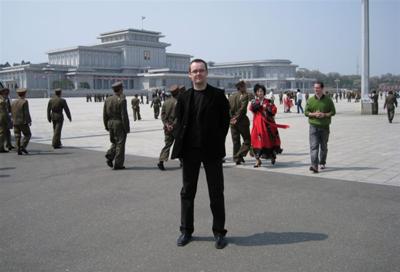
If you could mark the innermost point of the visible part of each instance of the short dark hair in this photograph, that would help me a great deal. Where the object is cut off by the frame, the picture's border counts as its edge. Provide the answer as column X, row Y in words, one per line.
column 259, row 86
column 199, row 60
column 320, row 83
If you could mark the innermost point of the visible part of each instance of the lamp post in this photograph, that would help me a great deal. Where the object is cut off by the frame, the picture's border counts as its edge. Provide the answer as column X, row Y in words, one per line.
column 48, row 70
column 337, row 85
column 366, row 106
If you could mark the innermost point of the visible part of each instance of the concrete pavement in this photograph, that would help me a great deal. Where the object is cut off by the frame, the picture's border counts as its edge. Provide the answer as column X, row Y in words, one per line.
column 65, row 210
column 362, row 148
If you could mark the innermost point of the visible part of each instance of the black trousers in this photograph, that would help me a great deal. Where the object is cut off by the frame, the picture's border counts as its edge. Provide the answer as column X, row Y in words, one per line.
column 215, row 182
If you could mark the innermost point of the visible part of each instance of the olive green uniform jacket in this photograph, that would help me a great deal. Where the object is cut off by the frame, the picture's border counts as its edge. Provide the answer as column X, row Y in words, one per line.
column 238, row 109
column 21, row 120
column 168, row 118
column 55, row 109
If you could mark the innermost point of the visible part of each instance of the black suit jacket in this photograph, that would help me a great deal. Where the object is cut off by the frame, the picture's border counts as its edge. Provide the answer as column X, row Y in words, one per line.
column 214, row 115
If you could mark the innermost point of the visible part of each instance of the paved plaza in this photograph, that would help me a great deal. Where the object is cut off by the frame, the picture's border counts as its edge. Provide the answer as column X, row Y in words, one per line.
column 362, row 148
column 65, row 210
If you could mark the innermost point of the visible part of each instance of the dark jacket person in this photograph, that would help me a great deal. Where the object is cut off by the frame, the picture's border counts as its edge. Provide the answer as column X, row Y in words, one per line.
column 202, row 115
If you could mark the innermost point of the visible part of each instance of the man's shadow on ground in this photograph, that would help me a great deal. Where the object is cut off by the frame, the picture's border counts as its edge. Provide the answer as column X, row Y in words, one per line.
column 270, row 238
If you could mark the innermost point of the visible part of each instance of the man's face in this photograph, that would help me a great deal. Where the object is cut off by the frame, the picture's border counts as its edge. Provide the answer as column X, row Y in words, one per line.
column 318, row 89
column 242, row 89
column 198, row 73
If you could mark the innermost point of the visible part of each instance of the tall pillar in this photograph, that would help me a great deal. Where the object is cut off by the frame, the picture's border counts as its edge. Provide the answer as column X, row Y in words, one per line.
column 366, row 105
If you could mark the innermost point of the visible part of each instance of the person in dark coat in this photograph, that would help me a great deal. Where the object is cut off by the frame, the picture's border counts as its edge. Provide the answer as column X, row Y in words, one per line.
column 202, row 115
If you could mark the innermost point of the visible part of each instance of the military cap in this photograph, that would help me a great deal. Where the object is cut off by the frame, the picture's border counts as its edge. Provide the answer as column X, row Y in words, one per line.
column 240, row 84
column 117, row 84
column 22, row 90
column 57, row 90
column 3, row 90
column 174, row 88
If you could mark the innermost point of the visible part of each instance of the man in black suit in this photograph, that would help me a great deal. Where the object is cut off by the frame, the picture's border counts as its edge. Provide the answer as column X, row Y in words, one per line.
column 202, row 114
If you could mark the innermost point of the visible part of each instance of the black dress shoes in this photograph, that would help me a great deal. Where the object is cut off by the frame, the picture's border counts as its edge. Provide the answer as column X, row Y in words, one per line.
column 24, row 150
column 3, row 151
column 220, row 242
column 183, row 239
column 119, row 167
column 161, row 165
column 109, row 162
column 10, row 147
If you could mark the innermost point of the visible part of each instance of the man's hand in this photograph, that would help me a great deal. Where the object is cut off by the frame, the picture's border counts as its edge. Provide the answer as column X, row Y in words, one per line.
column 233, row 121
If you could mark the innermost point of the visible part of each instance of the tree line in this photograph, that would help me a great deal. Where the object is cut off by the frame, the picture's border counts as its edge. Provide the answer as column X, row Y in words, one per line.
column 352, row 82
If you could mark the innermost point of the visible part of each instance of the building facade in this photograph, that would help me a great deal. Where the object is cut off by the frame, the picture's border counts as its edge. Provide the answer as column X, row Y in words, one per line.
column 139, row 59
column 274, row 74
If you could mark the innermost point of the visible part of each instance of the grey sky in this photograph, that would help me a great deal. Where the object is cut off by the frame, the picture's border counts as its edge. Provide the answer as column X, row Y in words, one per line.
column 323, row 35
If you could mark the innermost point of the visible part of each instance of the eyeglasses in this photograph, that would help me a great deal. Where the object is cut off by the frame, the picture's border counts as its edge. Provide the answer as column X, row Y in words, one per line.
column 200, row 71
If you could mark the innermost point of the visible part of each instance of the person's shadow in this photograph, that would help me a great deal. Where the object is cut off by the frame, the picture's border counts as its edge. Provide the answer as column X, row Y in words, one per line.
column 276, row 238
column 270, row 238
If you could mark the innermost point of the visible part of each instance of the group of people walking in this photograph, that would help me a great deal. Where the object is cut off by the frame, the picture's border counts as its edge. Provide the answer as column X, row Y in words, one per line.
column 16, row 116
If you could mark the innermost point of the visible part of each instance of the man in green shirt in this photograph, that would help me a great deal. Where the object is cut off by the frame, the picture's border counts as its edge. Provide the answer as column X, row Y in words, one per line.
column 319, row 110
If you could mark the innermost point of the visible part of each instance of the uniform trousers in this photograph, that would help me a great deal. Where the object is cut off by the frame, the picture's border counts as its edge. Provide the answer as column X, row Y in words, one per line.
column 136, row 114
column 390, row 112
column 57, row 127
column 241, row 128
column 117, row 139
column 169, row 141
column 26, row 131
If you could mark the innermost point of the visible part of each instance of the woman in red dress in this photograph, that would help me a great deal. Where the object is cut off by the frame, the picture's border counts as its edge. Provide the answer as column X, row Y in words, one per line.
column 264, row 134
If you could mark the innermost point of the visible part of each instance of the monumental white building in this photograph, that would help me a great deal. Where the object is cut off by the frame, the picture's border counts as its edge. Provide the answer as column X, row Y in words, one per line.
column 274, row 74
column 139, row 59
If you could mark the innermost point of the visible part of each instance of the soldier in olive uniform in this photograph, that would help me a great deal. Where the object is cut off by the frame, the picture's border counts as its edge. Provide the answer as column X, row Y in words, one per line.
column 390, row 104
column 169, row 122
column 55, row 109
column 156, row 104
column 136, row 108
column 4, row 120
column 116, row 121
column 10, row 124
column 21, row 120
column 374, row 97
column 240, row 124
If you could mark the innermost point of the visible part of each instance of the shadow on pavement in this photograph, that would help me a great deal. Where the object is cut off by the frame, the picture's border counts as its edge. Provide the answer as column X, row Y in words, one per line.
column 4, row 176
column 276, row 238
column 353, row 168
column 269, row 238
column 45, row 153
column 6, row 168
column 293, row 154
